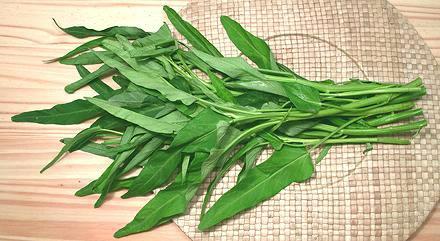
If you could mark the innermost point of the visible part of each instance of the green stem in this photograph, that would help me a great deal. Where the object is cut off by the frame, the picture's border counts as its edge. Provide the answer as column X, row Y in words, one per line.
column 112, row 131
column 375, row 91
column 209, row 103
column 375, row 131
column 339, row 129
column 325, row 88
column 384, row 109
column 408, row 97
column 328, row 98
column 114, row 141
column 384, row 140
column 394, row 117
column 249, row 132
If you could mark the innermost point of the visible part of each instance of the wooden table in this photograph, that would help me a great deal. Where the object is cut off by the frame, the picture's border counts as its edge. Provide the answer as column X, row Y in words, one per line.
column 42, row 207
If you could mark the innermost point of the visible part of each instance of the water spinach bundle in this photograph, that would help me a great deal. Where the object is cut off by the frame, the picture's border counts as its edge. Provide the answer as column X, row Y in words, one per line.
column 183, row 112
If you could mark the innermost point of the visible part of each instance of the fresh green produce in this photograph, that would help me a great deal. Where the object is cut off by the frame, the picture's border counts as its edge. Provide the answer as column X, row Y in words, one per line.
column 183, row 112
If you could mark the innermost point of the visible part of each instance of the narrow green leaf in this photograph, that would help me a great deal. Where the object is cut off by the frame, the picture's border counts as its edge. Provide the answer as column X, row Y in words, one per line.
column 323, row 153
column 191, row 58
column 185, row 164
column 97, row 84
column 105, row 182
column 203, row 123
column 284, row 68
column 168, row 203
column 194, row 37
column 134, row 99
column 117, row 185
column 262, row 182
column 144, row 121
column 204, row 143
column 141, row 158
column 94, row 148
column 151, row 52
column 234, row 67
column 274, row 141
column 80, row 139
column 74, row 112
column 108, row 121
column 122, row 49
column 220, row 88
column 253, row 47
column 122, row 81
column 304, row 98
column 126, row 44
column 250, row 161
column 175, row 117
column 83, row 47
column 226, row 136
column 102, row 71
column 180, row 83
column 92, row 186
column 139, row 138
column 166, row 69
column 258, row 99
column 162, row 37
column 228, row 164
column 87, row 58
column 83, row 32
column 117, row 48
column 293, row 128
column 150, row 81
column 156, row 172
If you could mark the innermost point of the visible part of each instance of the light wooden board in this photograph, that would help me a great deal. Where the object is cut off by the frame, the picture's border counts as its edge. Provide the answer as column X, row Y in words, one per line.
column 42, row 207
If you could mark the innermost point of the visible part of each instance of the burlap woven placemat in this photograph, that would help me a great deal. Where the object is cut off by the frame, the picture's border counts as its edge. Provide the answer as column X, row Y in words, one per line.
column 384, row 195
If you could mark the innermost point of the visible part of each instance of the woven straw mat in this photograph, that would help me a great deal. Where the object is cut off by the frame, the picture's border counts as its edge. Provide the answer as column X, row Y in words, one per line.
column 384, row 195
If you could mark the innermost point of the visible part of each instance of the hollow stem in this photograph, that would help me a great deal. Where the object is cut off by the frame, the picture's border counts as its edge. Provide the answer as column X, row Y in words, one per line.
column 361, row 140
column 394, row 117
column 375, row 131
column 375, row 91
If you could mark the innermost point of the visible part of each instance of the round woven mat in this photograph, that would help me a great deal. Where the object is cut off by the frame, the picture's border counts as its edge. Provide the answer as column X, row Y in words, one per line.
column 384, row 195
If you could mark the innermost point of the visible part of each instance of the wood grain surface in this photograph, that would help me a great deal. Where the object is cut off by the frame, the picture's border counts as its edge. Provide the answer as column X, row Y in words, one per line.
column 42, row 207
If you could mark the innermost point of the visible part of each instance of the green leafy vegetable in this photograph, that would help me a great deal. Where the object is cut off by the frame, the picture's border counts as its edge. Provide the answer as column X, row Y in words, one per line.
column 185, row 114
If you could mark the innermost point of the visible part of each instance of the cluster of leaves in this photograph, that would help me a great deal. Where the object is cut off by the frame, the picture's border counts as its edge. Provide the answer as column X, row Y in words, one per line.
column 183, row 113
